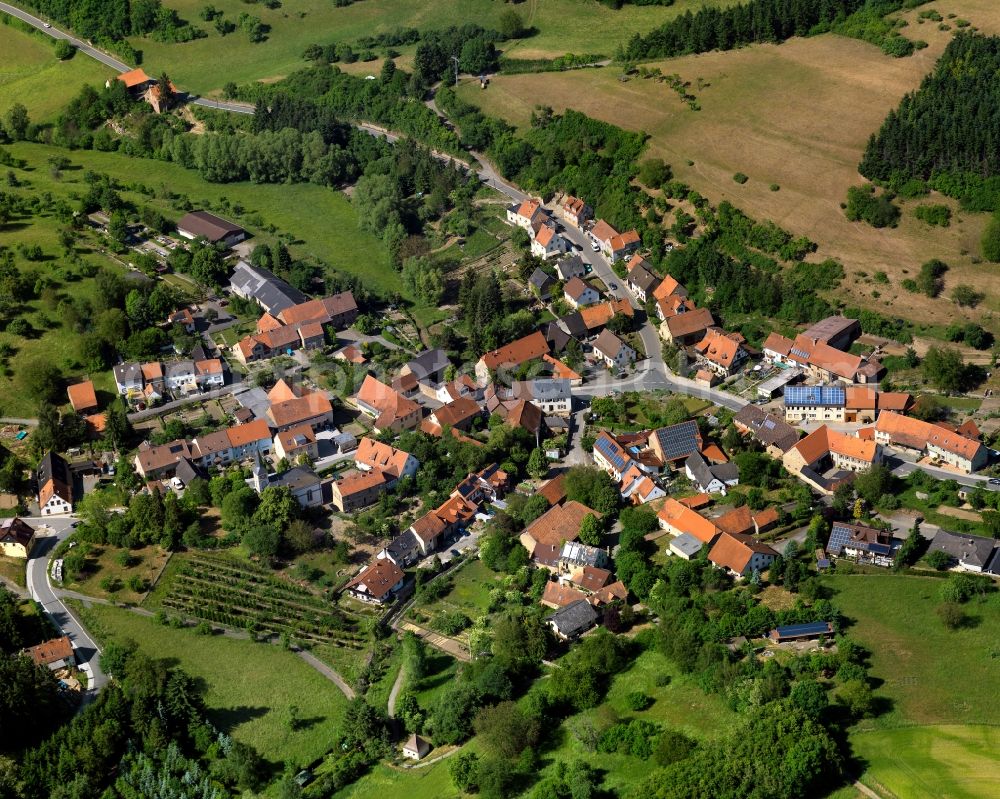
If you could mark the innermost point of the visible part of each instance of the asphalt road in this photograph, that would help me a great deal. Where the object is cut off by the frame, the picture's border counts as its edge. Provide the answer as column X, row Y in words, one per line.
column 41, row 590
column 55, row 33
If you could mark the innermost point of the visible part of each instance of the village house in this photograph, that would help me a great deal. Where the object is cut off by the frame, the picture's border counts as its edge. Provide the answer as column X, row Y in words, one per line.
column 541, row 283
column 545, row 536
column 611, row 456
column 211, row 228
column 723, row 353
column 575, row 211
column 557, row 595
column 547, row 242
column 55, row 485
column 459, row 414
column 639, row 488
column 615, row 353
column 208, row 374
column 713, row 479
column 511, row 356
column 560, row 371
column 295, row 443
column 263, row 287
column 571, row 266
column 128, row 379
column 416, row 748
column 933, row 441
column 674, row 444
column 575, row 557
column 670, row 297
column 376, row 455
column 390, row 409
column 614, row 245
column 741, row 555
column 579, row 294
column 16, row 538
column 54, row 654
column 641, row 280
column 528, row 215
column 862, row 544
column 687, row 327
column 595, row 317
column 82, row 397
column 573, row 620
column 184, row 319
column 378, row 583
column 775, row 435
column 685, row 546
column 359, row 489
column 179, row 378
column 429, row 366
column 822, row 361
column 553, row 396
column 337, row 311
column 970, row 553
column 311, row 408
column 825, row 448
column 678, row 519
column 220, row 448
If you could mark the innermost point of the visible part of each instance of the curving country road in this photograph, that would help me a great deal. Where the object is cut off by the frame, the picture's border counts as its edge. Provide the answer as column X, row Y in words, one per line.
column 87, row 652
column 83, row 47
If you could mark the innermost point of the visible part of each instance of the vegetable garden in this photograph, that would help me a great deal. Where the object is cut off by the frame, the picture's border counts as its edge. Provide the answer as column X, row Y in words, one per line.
column 244, row 596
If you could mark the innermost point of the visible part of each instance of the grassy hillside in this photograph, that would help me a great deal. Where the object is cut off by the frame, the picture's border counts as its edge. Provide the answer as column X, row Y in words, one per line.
column 322, row 222
column 957, row 762
column 248, row 686
column 31, row 75
column 204, row 65
column 798, row 116
column 942, row 681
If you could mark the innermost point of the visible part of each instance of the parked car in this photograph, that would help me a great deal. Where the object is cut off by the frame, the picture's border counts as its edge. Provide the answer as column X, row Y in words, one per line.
column 595, row 247
column 613, row 286
column 994, row 481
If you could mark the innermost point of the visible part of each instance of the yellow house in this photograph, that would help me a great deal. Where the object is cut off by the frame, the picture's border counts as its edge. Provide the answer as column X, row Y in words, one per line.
column 16, row 538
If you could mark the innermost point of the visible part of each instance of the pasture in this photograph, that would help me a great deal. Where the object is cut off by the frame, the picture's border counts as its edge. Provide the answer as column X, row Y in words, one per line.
column 915, row 656
column 797, row 115
column 248, row 686
column 205, row 65
column 953, row 761
column 31, row 75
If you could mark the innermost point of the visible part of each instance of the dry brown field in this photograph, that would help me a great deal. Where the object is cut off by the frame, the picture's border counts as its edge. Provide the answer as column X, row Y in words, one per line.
column 797, row 115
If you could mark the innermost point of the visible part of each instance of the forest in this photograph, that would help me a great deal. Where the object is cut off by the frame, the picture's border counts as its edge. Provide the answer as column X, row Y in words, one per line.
column 946, row 132
column 712, row 28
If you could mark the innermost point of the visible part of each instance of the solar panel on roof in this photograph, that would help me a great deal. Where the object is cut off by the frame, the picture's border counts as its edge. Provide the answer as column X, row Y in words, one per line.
column 839, row 537
column 678, row 440
column 612, row 452
column 809, row 628
column 815, row 395
column 769, row 424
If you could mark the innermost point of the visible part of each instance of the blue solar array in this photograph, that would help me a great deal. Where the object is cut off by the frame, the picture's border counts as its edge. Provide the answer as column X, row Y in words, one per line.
column 810, row 628
column 612, row 452
column 839, row 536
column 830, row 396
column 679, row 440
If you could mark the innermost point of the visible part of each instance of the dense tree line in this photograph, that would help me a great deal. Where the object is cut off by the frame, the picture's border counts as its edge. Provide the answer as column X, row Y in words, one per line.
column 946, row 132
column 29, row 701
column 151, row 718
column 711, row 28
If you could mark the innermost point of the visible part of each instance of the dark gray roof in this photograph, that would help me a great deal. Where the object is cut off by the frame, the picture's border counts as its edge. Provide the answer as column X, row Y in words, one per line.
column 187, row 471
column 574, row 325
column 209, row 226
column 273, row 293
column 678, row 440
column 541, row 280
column 994, row 565
column 541, row 389
column 402, row 545
column 556, row 337
column 53, row 467
column 769, row 430
column 570, row 265
column 575, row 618
column 642, row 278
column 428, row 363
column 973, row 550
column 726, row 471
column 199, row 353
column 127, row 372
column 294, row 478
column 697, row 465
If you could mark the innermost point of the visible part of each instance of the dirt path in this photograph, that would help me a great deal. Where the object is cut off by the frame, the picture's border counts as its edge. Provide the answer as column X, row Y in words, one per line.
column 327, row 672
column 396, row 688
column 450, row 646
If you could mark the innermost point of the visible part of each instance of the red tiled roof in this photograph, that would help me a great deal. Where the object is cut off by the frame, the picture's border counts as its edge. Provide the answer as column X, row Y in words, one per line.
column 378, row 578
column 517, row 352
column 82, row 396
column 734, row 552
column 561, row 595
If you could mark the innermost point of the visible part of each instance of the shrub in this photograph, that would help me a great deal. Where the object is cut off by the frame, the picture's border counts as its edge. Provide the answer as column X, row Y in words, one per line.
column 952, row 615
column 637, row 700
column 938, row 560
column 966, row 296
column 863, row 204
column 740, row 178
column 939, row 215
column 774, row 187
